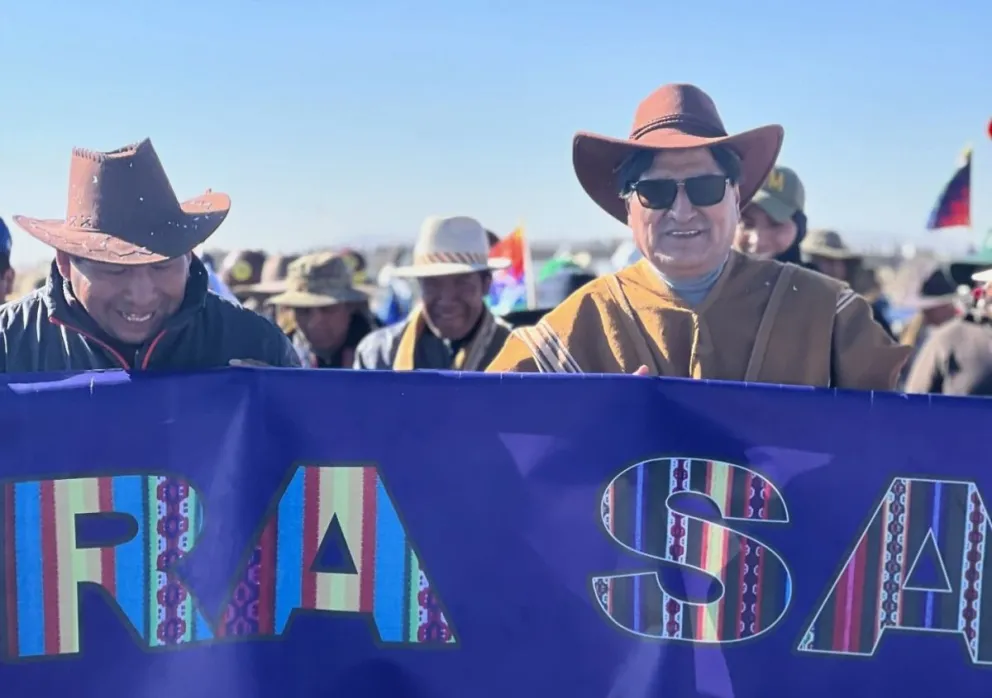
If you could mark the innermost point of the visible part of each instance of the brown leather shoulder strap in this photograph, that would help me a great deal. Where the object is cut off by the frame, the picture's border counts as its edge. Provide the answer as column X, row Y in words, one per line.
column 760, row 349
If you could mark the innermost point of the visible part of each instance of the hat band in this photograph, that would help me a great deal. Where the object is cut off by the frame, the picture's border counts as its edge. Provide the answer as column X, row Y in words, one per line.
column 470, row 258
column 684, row 122
column 321, row 287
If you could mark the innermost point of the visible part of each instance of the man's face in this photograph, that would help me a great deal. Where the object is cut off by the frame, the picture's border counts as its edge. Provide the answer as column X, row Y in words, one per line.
column 453, row 304
column 325, row 328
column 761, row 235
column 685, row 240
column 128, row 302
column 834, row 268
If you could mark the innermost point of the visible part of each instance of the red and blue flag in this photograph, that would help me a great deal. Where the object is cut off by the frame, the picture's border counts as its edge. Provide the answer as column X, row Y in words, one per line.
column 953, row 208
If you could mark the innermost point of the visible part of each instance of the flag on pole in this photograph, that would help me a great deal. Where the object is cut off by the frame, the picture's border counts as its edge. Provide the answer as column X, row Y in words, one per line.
column 953, row 208
column 511, row 287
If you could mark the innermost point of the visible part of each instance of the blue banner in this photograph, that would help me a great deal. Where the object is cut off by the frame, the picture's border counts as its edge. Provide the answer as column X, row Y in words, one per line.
column 367, row 534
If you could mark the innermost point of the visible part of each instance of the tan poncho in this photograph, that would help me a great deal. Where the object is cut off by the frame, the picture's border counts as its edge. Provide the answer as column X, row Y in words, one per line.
column 763, row 321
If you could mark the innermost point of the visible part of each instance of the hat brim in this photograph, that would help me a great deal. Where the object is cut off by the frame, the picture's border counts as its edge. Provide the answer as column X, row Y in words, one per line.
column 422, row 271
column 983, row 277
column 304, row 299
column 829, row 252
column 596, row 159
column 777, row 210
column 263, row 288
column 196, row 220
column 927, row 302
column 962, row 271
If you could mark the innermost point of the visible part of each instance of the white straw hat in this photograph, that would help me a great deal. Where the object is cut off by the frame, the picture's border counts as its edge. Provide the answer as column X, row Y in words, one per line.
column 450, row 245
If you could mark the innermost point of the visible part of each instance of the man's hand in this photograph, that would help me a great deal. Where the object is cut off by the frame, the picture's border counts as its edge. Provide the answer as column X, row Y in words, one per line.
column 247, row 362
column 642, row 371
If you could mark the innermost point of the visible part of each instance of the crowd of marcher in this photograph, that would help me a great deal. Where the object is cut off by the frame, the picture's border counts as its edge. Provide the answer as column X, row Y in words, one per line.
column 727, row 282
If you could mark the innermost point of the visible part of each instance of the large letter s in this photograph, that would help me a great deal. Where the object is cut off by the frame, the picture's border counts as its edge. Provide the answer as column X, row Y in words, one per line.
column 755, row 584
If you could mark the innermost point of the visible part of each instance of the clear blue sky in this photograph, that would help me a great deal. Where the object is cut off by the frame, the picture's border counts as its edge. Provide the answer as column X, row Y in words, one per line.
column 341, row 121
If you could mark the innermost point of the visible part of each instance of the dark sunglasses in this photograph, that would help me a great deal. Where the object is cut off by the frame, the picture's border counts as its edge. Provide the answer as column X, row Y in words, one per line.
column 703, row 190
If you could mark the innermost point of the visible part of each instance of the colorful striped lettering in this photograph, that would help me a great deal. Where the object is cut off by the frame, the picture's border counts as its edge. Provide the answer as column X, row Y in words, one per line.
column 918, row 565
column 754, row 583
column 43, row 564
column 388, row 583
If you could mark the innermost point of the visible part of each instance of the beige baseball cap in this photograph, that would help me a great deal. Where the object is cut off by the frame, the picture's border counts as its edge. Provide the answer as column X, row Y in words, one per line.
column 781, row 195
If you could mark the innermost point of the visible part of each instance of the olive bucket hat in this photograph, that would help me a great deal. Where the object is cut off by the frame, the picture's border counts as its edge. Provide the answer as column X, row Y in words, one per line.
column 319, row 280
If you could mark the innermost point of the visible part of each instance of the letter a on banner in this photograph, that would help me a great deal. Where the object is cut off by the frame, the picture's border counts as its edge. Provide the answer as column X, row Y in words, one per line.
column 755, row 585
column 348, row 508
column 918, row 566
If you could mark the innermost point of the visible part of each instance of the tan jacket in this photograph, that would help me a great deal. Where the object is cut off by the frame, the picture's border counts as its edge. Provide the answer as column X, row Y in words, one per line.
column 763, row 321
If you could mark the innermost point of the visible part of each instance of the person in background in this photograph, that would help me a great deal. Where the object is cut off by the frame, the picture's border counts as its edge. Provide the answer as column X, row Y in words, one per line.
column 451, row 328
column 825, row 251
column 937, row 303
column 125, row 289
column 331, row 316
column 956, row 358
column 395, row 298
column 359, row 266
column 694, row 307
column 773, row 225
column 240, row 269
column 271, row 280
column 6, row 270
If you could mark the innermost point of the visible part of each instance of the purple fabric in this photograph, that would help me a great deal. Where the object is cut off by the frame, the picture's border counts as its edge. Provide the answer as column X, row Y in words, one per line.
column 498, row 481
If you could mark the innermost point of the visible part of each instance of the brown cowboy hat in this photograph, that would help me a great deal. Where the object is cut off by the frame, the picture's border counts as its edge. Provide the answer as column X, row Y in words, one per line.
column 673, row 117
column 122, row 210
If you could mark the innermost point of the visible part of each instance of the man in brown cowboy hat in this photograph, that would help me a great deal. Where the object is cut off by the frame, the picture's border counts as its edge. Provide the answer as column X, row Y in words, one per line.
column 331, row 315
column 125, row 289
column 451, row 328
column 693, row 307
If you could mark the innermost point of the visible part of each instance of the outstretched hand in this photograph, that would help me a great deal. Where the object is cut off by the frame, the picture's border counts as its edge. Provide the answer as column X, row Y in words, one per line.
column 247, row 362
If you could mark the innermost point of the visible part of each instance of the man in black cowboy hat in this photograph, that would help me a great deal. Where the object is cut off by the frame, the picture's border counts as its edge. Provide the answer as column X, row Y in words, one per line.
column 125, row 289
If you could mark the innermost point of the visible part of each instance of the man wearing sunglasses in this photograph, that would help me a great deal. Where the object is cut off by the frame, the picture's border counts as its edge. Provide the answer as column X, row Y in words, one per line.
column 693, row 307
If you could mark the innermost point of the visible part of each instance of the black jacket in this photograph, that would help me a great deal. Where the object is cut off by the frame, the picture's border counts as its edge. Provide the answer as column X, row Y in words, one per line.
column 44, row 332
column 361, row 324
